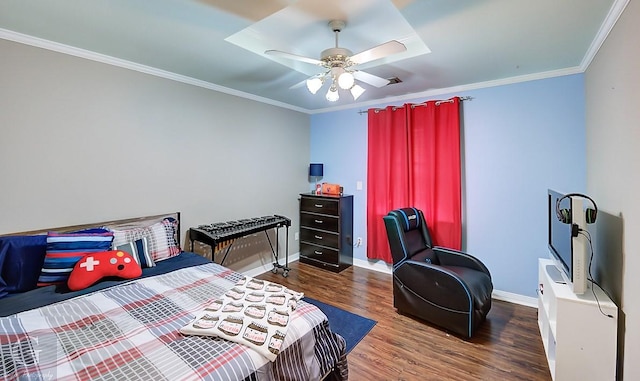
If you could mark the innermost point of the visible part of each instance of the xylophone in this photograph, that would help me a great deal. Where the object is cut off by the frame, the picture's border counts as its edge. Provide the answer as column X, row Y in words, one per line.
column 225, row 233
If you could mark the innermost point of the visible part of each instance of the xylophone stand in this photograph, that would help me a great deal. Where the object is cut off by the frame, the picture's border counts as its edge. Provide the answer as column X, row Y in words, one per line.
column 276, row 264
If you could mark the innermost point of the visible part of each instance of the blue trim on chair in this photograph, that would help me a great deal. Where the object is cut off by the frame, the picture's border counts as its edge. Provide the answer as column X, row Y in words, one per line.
column 406, row 218
column 404, row 249
column 417, row 216
column 469, row 298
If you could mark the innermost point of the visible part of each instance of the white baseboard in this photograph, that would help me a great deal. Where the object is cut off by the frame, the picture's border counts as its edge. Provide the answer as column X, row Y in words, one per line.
column 381, row 266
column 267, row 266
column 515, row 298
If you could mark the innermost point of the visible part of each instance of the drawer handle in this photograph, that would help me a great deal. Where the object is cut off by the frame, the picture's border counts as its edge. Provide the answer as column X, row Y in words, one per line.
column 316, row 252
column 318, row 205
column 318, row 221
column 317, row 237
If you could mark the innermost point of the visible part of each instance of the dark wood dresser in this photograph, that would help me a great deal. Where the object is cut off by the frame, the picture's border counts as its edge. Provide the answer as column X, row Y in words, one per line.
column 326, row 231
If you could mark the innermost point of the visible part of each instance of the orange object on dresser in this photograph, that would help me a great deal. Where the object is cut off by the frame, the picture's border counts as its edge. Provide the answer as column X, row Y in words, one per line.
column 334, row 189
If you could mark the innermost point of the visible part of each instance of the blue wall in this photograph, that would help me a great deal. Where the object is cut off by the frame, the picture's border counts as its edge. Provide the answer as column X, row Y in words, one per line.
column 518, row 141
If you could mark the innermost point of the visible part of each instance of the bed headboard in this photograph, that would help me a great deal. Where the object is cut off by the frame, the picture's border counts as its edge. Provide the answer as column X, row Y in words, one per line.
column 119, row 224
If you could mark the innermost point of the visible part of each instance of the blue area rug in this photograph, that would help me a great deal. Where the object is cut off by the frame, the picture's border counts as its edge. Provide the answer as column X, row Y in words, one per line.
column 346, row 324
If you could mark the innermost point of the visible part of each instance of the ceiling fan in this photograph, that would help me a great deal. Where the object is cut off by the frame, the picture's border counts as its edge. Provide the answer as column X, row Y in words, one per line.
column 340, row 65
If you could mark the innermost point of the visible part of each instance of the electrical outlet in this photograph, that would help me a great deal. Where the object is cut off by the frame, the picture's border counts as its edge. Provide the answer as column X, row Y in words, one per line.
column 297, row 236
column 359, row 242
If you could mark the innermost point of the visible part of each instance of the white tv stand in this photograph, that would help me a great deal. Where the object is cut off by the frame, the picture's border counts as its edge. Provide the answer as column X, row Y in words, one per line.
column 579, row 340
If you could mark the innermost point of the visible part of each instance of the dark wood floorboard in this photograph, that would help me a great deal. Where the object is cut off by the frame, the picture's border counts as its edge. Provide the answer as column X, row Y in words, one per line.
column 506, row 347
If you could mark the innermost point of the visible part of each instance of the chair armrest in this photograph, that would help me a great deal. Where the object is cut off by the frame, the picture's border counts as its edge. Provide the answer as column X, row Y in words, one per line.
column 450, row 257
column 434, row 284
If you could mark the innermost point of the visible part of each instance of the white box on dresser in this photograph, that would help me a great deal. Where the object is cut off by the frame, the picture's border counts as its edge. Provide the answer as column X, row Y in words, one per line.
column 580, row 340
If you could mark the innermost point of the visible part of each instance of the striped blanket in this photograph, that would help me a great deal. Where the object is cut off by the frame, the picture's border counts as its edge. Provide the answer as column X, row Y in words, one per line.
column 132, row 331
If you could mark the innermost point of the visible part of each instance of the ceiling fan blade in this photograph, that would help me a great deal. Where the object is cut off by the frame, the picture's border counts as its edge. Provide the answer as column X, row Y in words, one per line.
column 294, row 57
column 370, row 78
column 304, row 81
column 299, row 84
column 377, row 52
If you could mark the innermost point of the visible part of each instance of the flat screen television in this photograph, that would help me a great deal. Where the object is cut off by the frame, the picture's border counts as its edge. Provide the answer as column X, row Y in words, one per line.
column 566, row 246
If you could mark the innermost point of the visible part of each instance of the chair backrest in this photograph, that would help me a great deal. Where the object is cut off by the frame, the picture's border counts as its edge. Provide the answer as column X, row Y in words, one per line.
column 407, row 232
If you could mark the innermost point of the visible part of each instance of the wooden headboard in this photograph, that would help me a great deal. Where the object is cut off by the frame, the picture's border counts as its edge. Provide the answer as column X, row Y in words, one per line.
column 120, row 224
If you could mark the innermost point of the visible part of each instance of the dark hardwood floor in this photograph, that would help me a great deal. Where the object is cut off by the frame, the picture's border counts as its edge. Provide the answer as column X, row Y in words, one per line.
column 506, row 347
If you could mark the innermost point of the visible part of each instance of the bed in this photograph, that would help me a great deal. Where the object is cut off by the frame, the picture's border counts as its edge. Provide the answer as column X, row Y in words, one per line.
column 121, row 329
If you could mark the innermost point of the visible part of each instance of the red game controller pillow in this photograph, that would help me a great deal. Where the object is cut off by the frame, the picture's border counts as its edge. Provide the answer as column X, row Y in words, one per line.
column 95, row 266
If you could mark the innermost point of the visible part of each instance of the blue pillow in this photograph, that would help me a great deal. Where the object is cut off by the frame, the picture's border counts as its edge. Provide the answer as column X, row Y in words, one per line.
column 65, row 250
column 139, row 250
column 3, row 284
column 21, row 259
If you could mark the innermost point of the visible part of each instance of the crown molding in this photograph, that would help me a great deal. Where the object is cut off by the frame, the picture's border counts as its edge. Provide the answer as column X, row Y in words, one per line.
column 109, row 60
column 458, row 89
column 607, row 25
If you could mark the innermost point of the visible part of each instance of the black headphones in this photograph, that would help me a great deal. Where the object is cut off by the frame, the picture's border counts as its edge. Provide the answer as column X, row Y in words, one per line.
column 564, row 215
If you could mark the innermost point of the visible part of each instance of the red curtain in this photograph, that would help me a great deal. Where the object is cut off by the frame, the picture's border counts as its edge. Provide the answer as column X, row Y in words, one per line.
column 414, row 161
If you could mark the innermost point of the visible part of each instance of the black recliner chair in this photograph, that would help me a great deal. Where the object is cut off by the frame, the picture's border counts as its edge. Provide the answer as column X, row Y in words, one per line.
column 442, row 286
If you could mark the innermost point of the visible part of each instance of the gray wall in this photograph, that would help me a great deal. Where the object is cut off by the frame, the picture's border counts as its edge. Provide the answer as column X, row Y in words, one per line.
column 82, row 141
column 612, row 85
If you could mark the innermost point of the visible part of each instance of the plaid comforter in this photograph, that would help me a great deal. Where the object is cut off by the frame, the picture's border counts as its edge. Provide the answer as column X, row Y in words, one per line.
column 131, row 331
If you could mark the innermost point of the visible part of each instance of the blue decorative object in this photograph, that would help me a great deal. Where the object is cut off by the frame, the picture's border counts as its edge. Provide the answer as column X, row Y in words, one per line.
column 315, row 170
column 21, row 259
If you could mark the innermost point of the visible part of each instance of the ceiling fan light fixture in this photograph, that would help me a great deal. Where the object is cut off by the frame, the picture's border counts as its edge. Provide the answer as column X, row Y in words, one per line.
column 332, row 94
column 341, row 65
column 346, row 80
column 314, row 84
column 357, row 91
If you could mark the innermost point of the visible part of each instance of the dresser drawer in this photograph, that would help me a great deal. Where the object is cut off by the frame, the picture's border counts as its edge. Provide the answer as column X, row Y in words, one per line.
column 321, row 254
column 319, row 205
column 318, row 237
column 319, row 221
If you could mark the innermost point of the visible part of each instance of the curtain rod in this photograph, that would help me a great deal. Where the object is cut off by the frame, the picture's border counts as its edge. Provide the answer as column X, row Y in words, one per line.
column 467, row 98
